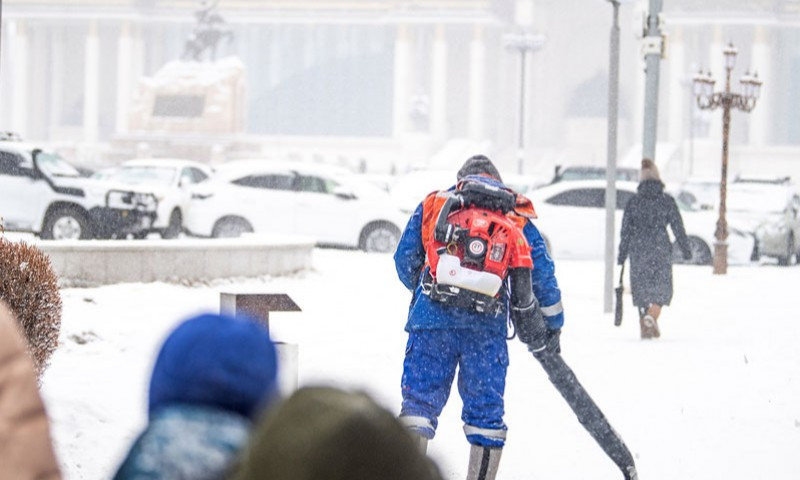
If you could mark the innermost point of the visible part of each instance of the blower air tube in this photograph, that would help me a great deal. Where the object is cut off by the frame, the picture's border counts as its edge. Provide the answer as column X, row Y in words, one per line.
column 521, row 287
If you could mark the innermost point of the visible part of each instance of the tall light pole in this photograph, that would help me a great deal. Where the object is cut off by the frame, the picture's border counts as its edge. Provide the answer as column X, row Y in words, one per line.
column 653, row 46
column 707, row 99
column 522, row 42
column 611, row 167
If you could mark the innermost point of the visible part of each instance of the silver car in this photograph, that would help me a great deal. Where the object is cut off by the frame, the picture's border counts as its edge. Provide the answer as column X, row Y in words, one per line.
column 772, row 213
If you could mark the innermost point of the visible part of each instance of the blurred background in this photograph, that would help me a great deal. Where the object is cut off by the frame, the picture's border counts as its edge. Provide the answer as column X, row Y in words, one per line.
column 392, row 85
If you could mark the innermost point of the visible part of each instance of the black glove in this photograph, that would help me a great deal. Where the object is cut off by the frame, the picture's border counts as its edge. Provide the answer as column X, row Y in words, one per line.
column 620, row 260
column 529, row 324
column 553, row 342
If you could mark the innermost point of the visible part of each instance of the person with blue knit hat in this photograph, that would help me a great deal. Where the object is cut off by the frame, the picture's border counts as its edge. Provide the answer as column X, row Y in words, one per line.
column 212, row 378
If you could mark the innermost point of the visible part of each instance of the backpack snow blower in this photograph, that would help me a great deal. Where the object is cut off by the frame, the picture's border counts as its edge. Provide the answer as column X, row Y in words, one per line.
column 474, row 247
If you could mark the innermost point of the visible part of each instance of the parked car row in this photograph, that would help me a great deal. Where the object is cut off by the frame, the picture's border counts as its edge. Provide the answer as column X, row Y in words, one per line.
column 572, row 221
column 43, row 194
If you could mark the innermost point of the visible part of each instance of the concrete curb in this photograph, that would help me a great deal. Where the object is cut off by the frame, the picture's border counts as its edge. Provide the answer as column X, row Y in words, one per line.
column 102, row 262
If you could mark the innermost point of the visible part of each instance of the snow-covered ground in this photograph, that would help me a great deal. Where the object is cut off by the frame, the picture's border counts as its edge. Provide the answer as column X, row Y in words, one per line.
column 718, row 396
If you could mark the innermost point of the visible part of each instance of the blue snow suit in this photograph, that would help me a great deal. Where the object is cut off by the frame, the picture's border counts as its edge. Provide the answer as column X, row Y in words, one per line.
column 443, row 337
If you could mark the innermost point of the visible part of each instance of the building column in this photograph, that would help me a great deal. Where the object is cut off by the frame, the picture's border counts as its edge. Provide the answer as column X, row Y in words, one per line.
column 91, row 85
column 139, row 50
column 678, row 78
column 125, row 59
column 477, row 85
column 439, row 84
column 57, row 46
column 761, row 63
column 19, row 77
column 402, row 56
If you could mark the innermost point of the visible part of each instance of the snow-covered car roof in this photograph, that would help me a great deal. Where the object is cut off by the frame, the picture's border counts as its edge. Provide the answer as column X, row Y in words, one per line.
column 359, row 185
column 165, row 162
column 573, row 173
column 236, row 168
column 759, row 197
column 558, row 187
column 24, row 148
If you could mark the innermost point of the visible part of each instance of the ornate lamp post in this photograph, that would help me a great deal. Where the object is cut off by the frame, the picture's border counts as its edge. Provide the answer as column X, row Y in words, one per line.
column 522, row 43
column 707, row 99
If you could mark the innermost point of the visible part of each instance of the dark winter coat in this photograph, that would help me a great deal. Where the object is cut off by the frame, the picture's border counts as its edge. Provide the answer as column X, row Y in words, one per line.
column 645, row 240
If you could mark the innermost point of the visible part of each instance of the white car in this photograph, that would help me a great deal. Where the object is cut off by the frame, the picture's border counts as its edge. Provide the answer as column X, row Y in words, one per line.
column 772, row 213
column 325, row 203
column 170, row 180
column 42, row 193
column 572, row 220
column 701, row 193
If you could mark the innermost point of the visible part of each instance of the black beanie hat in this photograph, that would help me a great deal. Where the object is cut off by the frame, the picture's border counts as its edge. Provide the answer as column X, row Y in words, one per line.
column 478, row 165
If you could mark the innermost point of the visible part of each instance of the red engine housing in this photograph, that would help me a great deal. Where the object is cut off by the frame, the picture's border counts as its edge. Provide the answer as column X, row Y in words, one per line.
column 505, row 245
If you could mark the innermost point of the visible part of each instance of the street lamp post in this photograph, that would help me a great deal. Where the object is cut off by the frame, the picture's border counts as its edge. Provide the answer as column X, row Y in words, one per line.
column 707, row 99
column 522, row 42
column 611, row 153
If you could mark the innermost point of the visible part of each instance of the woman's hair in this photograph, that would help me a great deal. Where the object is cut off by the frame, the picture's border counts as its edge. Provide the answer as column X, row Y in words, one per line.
column 649, row 170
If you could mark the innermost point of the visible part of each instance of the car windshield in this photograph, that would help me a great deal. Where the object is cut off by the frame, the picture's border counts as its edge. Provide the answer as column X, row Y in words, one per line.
column 756, row 201
column 138, row 175
column 55, row 166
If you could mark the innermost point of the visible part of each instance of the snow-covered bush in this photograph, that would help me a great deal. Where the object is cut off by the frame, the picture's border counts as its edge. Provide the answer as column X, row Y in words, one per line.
column 30, row 288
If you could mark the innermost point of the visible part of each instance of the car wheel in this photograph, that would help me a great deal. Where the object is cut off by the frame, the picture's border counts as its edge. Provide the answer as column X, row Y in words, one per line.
column 175, row 224
column 380, row 237
column 231, row 227
column 701, row 253
column 65, row 223
column 787, row 259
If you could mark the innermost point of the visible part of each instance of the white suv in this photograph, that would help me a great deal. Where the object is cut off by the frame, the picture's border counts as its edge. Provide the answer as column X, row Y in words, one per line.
column 170, row 180
column 41, row 193
column 325, row 203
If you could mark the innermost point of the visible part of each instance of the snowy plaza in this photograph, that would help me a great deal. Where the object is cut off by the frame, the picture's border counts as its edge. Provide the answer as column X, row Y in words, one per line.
column 716, row 397
column 160, row 157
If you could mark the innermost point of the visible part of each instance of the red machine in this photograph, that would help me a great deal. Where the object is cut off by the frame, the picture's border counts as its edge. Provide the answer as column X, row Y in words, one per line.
column 473, row 246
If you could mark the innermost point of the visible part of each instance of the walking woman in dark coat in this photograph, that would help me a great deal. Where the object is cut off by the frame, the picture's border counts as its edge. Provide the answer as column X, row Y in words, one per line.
column 645, row 240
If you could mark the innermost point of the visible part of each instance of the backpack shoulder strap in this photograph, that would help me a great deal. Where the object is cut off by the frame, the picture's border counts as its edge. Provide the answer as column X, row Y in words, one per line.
column 431, row 207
